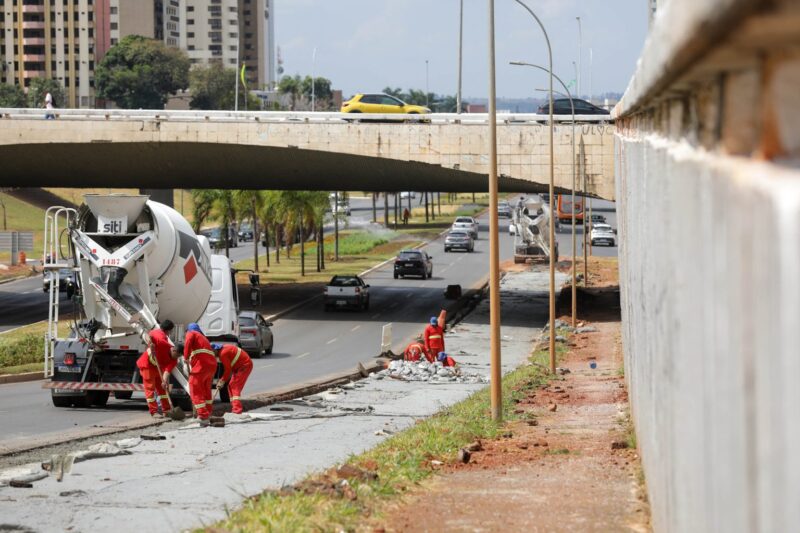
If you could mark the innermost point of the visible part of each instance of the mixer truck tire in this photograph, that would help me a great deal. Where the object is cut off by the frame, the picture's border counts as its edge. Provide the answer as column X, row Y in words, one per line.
column 61, row 401
column 98, row 397
column 123, row 395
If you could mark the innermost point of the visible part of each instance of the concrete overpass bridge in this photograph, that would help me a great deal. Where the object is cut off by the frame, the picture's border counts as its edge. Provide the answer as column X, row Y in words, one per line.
column 278, row 150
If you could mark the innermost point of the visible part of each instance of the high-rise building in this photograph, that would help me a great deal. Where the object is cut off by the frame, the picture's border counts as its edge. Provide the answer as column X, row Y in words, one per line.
column 43, row 38
column 64, row 39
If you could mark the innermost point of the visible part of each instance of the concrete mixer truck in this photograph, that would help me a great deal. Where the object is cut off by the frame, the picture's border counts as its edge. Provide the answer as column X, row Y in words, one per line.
column 531, row 220
column 136, row 262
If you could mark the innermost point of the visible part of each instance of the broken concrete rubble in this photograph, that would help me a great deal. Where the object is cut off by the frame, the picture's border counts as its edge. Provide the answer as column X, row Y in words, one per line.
column 431, row 372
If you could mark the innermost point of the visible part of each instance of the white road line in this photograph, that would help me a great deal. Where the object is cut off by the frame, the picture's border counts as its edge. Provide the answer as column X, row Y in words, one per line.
column 303, row 355
column 266, row 366
column 376, row 315
column 355, row 327
column 409, row 295
column 332, row 340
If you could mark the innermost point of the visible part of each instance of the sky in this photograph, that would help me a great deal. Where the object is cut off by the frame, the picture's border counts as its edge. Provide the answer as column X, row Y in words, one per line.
column 366, row 45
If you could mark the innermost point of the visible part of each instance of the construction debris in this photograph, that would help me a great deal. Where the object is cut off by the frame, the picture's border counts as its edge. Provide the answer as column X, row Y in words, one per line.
column 431, row 372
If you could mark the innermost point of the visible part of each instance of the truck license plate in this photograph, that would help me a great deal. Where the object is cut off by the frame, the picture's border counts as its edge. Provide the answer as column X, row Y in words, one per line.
column 70, row 369
column 341, row 302
column 409, row 264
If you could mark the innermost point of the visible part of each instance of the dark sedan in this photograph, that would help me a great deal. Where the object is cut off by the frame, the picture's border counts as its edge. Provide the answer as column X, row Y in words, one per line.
column 413, row 263
column 561, row 106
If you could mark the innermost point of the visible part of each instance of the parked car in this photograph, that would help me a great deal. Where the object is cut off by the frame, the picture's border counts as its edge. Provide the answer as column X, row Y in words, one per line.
column 255, row 335
column 504, row 210
column 381, row 103
column 561, row 106
column 413, row 263
column 461, row 240
column 405, row 195
column 346, row 291
column 67, row 281
column 603, row 234
column 468, row 224
column 216, row 238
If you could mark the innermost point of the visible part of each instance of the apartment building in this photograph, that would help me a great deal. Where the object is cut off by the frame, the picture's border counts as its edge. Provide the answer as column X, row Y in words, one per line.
column 64, row 39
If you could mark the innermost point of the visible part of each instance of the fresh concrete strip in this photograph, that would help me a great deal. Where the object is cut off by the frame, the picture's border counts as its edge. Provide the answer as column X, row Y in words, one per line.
column 213, row 470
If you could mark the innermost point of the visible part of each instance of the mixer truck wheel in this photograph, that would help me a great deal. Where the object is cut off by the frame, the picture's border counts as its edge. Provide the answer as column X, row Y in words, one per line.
column 61, row 401
column 98, row 397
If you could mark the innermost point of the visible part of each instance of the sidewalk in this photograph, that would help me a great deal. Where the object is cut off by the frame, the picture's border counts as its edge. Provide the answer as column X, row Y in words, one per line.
column 571, row 466
column 193, row 476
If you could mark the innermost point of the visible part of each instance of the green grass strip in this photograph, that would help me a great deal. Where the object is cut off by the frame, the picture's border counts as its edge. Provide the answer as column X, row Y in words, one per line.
column 400, row 462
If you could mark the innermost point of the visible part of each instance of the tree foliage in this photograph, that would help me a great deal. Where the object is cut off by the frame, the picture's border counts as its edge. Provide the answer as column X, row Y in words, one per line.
column 138, row 72
column 299, row 90
column 439, row 103
column 39, row 87
column 11, row 96
column 214, row 87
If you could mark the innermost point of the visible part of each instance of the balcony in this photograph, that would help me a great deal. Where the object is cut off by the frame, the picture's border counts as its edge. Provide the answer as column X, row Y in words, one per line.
column 33, row 8
column 34, row 41
column 33, row 24
column 33, row 57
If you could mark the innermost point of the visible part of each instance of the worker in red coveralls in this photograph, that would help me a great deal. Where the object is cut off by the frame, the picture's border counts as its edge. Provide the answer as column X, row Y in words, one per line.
column 416, row 350
column 446, row 360
column 202, row 363
column 434, row 335
column 154, row 365
column 237, row 365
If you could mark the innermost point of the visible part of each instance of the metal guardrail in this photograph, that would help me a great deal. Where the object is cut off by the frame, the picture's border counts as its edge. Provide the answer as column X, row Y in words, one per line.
column 288, row 116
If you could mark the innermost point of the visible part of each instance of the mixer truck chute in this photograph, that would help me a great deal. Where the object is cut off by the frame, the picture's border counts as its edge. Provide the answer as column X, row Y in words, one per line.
column 138, row 262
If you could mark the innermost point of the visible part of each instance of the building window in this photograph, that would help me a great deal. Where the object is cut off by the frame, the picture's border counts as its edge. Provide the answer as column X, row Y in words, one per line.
column 190, row 22
column 189, row 8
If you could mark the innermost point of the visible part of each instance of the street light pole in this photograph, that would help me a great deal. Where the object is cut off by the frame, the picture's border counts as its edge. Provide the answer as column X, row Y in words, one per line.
column 236, row 99
column 313, row 67
column 551, row 191
column 494, row 245
column 580, row 38
column 426, row 84
column 460, row 49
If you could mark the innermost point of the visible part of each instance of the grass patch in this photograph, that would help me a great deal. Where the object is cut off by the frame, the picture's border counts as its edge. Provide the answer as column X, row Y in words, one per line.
column 400, row 463
column 22, row 216
column 23, row 347
column 21, row 369
column 557, row 451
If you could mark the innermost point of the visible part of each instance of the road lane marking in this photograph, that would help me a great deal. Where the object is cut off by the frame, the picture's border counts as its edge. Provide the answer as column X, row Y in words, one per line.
column 355, row 327
column 376, row 315
column 303, row 355
column 332, row 340
column 266, row 366
column 409, row 295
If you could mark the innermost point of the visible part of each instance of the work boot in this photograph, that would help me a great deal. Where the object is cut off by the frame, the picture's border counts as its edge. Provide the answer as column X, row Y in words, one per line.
column 158, row 415
column 204, row 422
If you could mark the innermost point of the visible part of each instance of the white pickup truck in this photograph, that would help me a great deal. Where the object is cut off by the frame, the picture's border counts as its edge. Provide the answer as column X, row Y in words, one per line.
column 346, row 291
column 466, row 224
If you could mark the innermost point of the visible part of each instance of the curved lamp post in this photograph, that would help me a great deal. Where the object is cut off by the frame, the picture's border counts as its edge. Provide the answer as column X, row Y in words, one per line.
column 574, row 243
column 552, row 177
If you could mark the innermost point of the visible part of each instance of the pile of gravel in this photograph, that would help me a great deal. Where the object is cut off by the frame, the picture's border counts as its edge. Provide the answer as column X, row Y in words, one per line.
column 425, row 371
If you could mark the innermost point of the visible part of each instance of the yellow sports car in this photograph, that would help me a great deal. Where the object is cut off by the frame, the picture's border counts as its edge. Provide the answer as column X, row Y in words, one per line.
column 381, row 103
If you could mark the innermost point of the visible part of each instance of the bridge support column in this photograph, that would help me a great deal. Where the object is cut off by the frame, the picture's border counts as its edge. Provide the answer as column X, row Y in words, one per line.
column 164, row 196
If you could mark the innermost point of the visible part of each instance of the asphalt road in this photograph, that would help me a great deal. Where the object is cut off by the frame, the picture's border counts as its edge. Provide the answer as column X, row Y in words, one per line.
column 309, row 343
column 23, row 302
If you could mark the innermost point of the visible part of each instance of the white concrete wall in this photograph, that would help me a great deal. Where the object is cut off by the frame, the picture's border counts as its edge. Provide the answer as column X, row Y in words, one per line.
column 708, row 204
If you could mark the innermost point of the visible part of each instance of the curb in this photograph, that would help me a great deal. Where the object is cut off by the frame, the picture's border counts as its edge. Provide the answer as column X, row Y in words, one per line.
column 11, row 280
column 19, row 378
column 286, row 393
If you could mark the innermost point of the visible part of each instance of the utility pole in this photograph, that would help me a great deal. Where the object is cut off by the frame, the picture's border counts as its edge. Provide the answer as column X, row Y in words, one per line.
column 494, row 245
column 313, row 83
column 427, row 90
column 460, row 49
column 336, row 226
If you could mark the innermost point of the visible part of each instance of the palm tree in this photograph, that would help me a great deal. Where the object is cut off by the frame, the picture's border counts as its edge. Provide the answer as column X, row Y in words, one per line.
column 225, row 213
column 250, row 202
column 268, row 215
column 293, row 86
column 203, row 205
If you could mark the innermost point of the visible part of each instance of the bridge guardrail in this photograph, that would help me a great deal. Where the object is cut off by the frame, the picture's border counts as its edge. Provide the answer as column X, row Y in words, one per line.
column 290, row 116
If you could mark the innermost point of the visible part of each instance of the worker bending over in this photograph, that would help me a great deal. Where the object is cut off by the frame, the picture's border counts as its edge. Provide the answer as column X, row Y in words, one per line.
column 434, row 335
column 416, row 350
column 155, row 364
column 446, row 360
column 237, row 365
column 202, row 365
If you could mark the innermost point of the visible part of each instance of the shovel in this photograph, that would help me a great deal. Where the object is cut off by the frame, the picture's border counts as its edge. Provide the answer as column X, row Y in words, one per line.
column 174, row 413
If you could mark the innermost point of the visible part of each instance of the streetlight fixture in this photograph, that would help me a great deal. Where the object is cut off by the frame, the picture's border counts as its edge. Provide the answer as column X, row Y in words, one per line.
column 551, row 189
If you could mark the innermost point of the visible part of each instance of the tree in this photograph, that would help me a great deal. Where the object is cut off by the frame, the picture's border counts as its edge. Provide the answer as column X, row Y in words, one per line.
column 293, row 86
column 214, row 87
column 251, row 203
column 39, row 87
column 322, row 91
column 12, row 96
column 203, row 204
column 225, row 212
column 138, row 72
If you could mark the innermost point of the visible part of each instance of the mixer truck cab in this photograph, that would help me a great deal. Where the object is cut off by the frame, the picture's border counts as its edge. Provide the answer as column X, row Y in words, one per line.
column 138, row 262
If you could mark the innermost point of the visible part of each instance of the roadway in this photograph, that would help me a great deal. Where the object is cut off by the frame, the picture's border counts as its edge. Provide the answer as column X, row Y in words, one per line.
column 309, row 343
